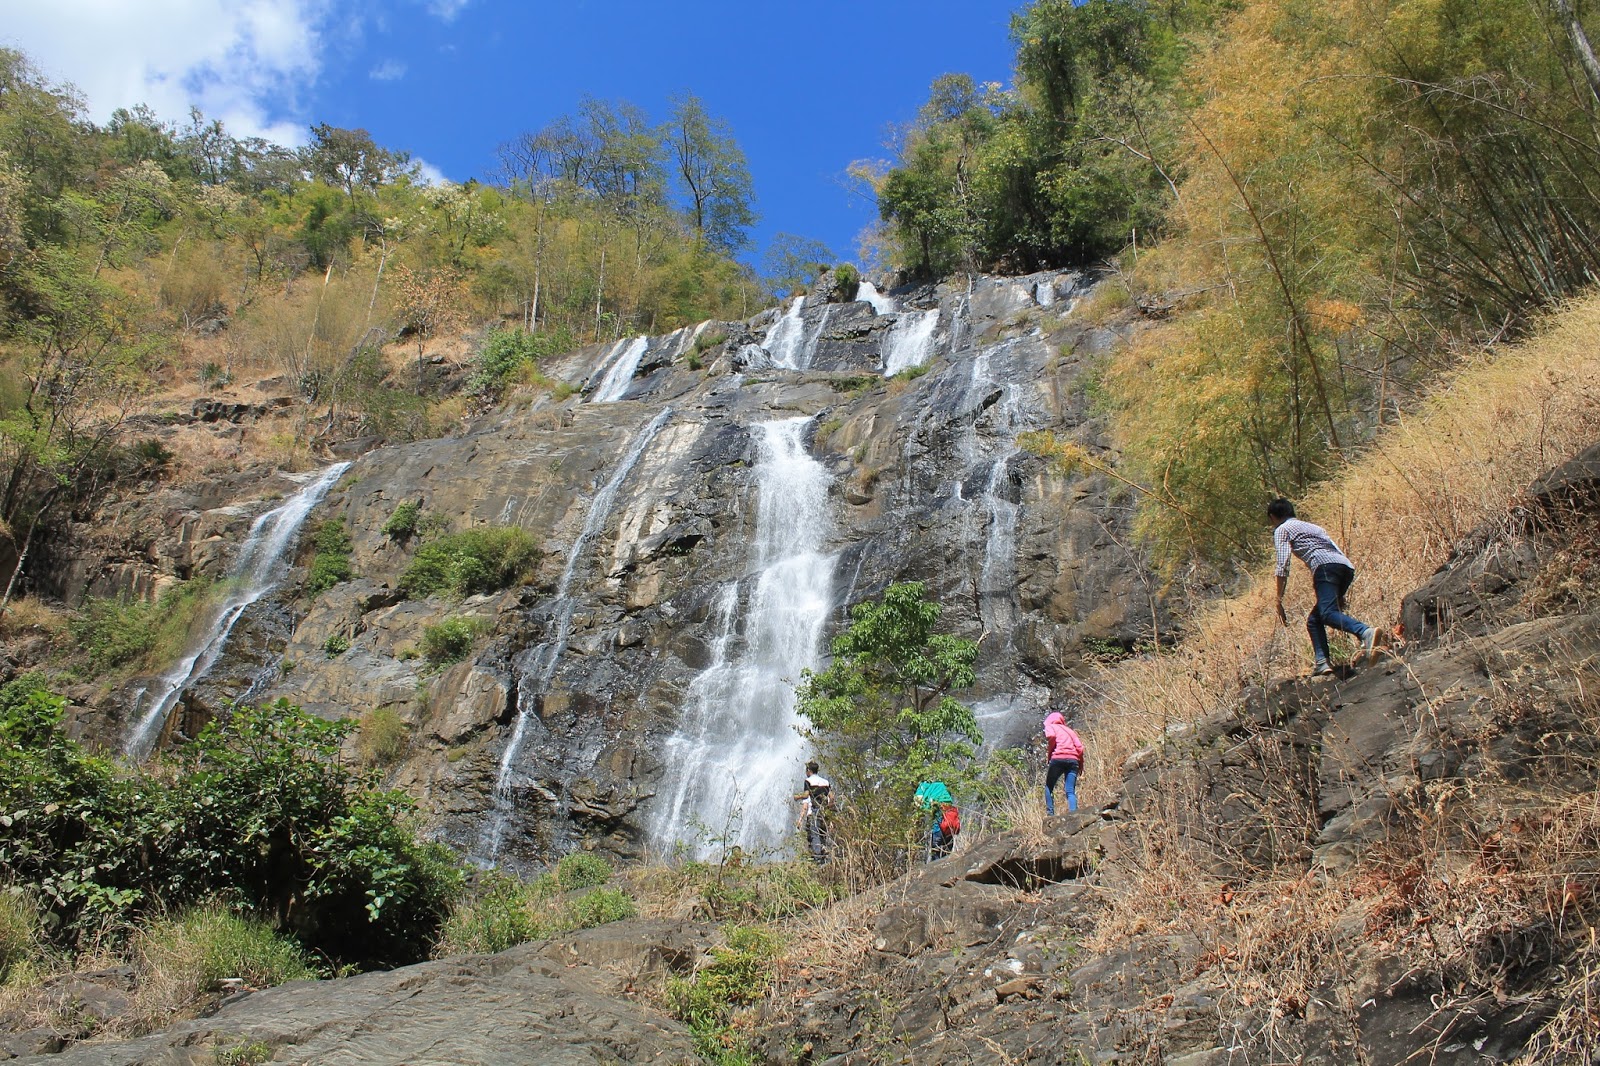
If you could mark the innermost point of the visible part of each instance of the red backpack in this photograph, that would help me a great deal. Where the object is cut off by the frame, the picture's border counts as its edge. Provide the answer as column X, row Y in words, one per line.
column 950, row 824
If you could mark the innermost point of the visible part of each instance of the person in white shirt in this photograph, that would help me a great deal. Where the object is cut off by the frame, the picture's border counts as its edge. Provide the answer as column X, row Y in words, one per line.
column 1331, row 575
column 815, row 798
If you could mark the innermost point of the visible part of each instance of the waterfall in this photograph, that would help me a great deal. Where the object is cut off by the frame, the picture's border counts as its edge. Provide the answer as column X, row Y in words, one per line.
column 619, row 374
column 786, row 337
column 993, row 520
column 537, row 671
column 1044, row 292
column 910, row 341
column 256, row 572
column 736, row 757
column 881, row 304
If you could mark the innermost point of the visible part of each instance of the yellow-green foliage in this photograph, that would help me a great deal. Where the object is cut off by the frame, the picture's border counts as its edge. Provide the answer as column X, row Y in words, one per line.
column 20, row 936
column 384, row 736
column 182, row 959
column 118, row 635
column 1425, row 483
column 739, row 974
column 1364, row 184
column 504, row 911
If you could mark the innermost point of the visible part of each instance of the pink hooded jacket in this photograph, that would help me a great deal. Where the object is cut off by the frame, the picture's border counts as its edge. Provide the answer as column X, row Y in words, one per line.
column 1064, row 743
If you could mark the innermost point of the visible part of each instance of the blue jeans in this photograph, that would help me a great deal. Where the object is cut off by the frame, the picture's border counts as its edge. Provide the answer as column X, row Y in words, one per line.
column 1058, row 769
column 1331, row 580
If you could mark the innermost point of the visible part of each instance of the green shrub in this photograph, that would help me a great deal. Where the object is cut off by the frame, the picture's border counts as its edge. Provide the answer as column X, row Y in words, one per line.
column 114, row 634
column 498, row 916
column 848, row 280
column 331, row 563
column 451, row 640
column 912, row 373
column 405, row 521
column 582, row 869
column 693, row 362
column 504, row 912
column 709, row 340
column 475, row 560
column 506, row 351
column 739, row 974
column 601, row 907
column 259, row 810
column 384, row 736
column 336, row 645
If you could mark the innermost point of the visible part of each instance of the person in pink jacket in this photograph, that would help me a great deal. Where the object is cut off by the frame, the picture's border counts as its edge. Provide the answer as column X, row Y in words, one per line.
column 1065, row 752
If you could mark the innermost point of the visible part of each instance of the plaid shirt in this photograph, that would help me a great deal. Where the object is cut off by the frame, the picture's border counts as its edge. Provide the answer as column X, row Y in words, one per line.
column 1311, row 543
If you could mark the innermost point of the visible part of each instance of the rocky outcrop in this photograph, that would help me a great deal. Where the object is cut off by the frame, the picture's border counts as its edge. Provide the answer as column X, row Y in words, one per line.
column 927, row 483
column 558, row 1002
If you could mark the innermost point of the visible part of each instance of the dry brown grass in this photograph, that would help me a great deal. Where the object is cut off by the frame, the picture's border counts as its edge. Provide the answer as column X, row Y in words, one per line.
column 1432, row 476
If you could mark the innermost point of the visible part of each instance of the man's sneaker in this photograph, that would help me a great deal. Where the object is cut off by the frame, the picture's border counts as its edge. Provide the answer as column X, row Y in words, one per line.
column 1321, row 670
column 1369, row 645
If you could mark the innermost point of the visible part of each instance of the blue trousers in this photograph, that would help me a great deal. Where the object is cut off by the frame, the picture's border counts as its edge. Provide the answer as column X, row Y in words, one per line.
column 1058, row 769
column 1331, row 581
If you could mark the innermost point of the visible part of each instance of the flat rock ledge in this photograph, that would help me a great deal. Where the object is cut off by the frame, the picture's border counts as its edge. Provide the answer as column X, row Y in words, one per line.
column 509, row 1009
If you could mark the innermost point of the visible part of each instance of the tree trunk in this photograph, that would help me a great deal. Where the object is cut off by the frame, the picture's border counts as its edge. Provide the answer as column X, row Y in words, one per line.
column 1580, row 44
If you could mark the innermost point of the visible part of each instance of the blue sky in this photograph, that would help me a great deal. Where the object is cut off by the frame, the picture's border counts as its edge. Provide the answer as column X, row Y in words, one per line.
column 806, row 88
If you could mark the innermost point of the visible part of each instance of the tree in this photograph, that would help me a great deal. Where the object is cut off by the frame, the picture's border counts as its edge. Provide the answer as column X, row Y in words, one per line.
column 713, row 177
column 884, row 719
column 793, row 262
column 351, row 160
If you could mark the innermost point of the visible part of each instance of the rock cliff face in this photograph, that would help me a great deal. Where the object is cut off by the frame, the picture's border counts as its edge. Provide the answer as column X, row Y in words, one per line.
column 652, row 491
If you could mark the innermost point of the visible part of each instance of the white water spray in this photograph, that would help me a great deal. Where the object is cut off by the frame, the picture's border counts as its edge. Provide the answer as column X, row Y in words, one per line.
column 256, row 572
column 735, row 759
column 619, row 375
column 910, row 341
column 785, row 339
column 536, row 675
column 881, row 304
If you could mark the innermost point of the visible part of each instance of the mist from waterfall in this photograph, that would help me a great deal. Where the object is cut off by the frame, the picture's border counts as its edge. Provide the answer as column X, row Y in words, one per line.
column 910, row 341
column 256, row 572
column 536, row 672
column 736, row 757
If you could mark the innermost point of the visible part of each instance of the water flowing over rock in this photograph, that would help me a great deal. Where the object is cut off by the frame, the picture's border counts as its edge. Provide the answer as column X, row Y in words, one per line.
column 730, row 764
column 619, row 369
column 259, row 568
column 538, row 665
column 674, row 609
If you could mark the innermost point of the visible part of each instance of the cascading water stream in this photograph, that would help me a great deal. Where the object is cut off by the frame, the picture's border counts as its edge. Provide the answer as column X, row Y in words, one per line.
column 733, row 763
column 867, row 292
column 910, row 341
column 785, row 338
column 619, row 374
column 538, row 670
column 256, row 572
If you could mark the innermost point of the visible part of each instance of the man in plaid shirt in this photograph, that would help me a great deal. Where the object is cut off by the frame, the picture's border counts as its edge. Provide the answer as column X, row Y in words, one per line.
column 1331, row 575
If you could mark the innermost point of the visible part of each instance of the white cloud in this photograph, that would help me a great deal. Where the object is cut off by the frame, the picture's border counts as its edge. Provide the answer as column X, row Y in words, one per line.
column 243, row 61
column 428, row 174
column 388, row 70
column 446, row 10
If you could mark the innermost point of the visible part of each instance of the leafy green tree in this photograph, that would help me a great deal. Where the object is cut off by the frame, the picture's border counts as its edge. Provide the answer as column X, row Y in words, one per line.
column 349, row 159
column 884, row 718
column 713, row 177
column 792, row 262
